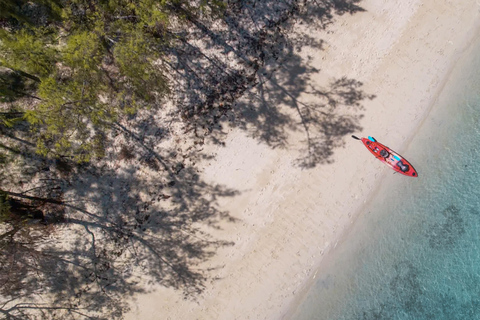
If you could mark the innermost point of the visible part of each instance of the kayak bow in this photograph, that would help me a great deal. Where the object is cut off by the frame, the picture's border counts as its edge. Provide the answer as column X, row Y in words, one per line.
column 388, row 156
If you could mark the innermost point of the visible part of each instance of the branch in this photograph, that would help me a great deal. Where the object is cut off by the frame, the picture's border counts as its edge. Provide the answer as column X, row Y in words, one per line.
column 10, row 233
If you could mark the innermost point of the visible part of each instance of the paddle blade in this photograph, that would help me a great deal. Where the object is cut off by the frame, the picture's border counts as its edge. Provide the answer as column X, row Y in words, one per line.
column 354, row 137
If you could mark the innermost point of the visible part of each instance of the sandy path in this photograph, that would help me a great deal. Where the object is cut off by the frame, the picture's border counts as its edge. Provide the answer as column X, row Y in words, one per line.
column 288, row 217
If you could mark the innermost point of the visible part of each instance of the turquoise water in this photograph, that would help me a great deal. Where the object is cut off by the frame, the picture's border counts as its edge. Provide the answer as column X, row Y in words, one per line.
column 415, row 251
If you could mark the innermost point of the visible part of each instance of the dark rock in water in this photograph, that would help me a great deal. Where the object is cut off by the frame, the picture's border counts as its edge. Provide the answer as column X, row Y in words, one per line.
column 405, row 286
column 445, row 235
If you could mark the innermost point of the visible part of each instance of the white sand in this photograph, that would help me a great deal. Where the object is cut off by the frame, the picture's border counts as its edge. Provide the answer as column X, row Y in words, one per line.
column 289, row 217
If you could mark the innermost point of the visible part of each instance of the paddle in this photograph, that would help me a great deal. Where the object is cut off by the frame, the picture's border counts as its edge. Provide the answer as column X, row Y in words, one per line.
column 369, row 138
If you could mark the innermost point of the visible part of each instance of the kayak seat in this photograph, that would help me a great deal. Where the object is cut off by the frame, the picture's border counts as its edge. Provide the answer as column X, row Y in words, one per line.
column 402, row 166
column 384, row 153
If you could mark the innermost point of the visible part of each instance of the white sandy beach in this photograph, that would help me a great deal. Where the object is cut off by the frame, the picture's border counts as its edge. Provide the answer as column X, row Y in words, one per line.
column 289, row 217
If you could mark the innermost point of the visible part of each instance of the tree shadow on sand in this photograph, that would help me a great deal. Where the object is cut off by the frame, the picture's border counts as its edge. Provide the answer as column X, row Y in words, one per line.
column 285, row 76
column 254, row 48
column 143, row 214
column 333, row 115
column 123, row 232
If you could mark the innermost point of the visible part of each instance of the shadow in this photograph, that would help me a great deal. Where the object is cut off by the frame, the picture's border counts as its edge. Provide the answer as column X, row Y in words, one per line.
column 103, row 232
column 118, row 233
column 255, row 49
column 143, row 214
column 334, row 114
column 13, row 86
column 322, row 12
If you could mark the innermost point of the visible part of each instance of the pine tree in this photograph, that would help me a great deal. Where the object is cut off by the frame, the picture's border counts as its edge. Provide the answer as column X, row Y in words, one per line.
column 90, row 63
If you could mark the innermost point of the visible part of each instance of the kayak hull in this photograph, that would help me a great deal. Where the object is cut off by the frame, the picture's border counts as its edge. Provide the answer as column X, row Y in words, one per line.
column 390, row 157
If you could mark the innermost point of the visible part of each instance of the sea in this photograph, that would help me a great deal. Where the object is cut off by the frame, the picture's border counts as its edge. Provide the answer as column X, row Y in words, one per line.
column 414, row 252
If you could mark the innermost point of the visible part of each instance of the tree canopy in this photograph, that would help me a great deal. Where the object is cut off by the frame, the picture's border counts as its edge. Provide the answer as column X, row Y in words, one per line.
column 87, row 62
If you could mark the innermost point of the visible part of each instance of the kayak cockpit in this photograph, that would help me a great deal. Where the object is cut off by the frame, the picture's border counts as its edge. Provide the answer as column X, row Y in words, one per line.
column 403, row 167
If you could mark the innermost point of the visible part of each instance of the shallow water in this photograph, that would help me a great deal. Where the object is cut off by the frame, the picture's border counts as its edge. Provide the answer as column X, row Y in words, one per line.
column 415, row 251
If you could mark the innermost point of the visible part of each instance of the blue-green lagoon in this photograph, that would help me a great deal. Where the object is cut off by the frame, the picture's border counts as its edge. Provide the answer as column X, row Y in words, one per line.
column 414, row 253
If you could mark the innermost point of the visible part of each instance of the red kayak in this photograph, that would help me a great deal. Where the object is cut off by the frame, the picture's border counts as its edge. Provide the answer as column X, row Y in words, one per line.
column 388, row 156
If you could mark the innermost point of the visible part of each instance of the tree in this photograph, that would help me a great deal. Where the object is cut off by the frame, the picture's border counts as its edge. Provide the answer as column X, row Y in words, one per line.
column 15, row 12
column 98, row 62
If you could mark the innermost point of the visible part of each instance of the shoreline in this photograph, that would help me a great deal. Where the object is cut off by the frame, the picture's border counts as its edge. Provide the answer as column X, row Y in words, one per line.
column 333, row 275
column 289, row 224
column 471, row 40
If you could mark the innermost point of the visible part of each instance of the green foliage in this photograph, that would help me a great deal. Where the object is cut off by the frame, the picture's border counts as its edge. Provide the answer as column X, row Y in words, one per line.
column 9, row 122
column 69, row 115
column 92, row 61
column 10, row 9
column 139, row 77
column 83, row 53
column 24, row 11
column 28, row 50
column 32, row 117
column 14, row 86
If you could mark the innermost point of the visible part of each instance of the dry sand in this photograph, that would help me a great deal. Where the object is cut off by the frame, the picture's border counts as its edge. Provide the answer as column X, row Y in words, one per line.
column 289, row 216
